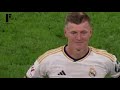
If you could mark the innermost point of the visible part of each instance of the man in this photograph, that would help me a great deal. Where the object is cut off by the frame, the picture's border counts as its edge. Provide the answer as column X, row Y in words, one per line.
column 76, row 59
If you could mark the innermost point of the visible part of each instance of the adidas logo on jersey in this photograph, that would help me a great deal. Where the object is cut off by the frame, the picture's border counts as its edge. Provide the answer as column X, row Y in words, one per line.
column 62, row 73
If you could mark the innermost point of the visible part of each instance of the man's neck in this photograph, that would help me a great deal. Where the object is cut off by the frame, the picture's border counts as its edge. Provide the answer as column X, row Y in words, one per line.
column 77, row 53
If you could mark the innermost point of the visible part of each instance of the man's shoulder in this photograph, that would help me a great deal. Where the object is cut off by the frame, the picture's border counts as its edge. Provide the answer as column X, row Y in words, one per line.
column 49, row 53
column 103, row 53
column 55, row 50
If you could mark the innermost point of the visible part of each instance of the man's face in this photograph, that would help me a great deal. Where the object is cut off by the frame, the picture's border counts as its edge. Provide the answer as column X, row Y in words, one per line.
column 78, row 35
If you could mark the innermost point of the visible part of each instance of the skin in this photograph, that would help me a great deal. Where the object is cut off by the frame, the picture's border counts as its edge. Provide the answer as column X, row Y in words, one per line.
column 78, row 36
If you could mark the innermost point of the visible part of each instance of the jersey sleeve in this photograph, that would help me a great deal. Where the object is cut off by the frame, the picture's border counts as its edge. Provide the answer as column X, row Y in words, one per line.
column 114, row 67
column 37, row 70
column 33, row 71
column 116, row 70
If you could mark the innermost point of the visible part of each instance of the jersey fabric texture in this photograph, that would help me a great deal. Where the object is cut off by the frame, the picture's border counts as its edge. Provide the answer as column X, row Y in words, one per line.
column 56, row 63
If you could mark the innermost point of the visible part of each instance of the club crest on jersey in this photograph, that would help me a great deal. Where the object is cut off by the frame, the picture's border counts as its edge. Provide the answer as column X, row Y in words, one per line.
column 92, row 72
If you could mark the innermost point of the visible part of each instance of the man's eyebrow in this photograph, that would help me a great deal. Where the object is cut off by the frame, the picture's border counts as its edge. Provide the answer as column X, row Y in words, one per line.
column 73, row 31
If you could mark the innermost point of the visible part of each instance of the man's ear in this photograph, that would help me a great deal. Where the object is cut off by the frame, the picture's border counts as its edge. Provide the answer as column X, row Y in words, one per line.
column 65, row 32
column 91, row 32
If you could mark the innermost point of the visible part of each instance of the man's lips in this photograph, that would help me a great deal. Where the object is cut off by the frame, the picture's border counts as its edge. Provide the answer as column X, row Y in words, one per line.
column 78, row 42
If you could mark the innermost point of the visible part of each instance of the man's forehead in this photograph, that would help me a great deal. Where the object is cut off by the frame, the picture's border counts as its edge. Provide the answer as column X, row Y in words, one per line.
column 84, row 25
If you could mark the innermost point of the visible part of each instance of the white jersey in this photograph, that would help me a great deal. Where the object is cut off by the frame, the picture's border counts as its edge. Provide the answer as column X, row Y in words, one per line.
column 56, row 63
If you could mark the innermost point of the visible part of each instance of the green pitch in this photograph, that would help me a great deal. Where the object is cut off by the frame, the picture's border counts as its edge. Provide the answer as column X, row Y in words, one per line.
column 27, row 35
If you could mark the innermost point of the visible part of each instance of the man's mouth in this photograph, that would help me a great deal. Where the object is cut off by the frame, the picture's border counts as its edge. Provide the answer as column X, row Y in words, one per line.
column 79, row 42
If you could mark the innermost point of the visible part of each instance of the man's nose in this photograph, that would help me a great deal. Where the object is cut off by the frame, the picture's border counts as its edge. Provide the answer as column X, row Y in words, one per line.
column 78, row 37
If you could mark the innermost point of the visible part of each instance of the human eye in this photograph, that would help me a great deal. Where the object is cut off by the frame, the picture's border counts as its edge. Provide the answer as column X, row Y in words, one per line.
column 73, row 32
column 84, row 32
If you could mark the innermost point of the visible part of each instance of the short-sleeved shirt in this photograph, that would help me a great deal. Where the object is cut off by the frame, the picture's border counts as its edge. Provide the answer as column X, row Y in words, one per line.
column 56, row 63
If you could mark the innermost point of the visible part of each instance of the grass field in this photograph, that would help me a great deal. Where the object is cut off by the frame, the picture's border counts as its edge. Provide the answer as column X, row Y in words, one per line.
column 29, row 34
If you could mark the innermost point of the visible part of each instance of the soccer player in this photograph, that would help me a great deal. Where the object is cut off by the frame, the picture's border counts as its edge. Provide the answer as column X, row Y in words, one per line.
column 76, row 59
